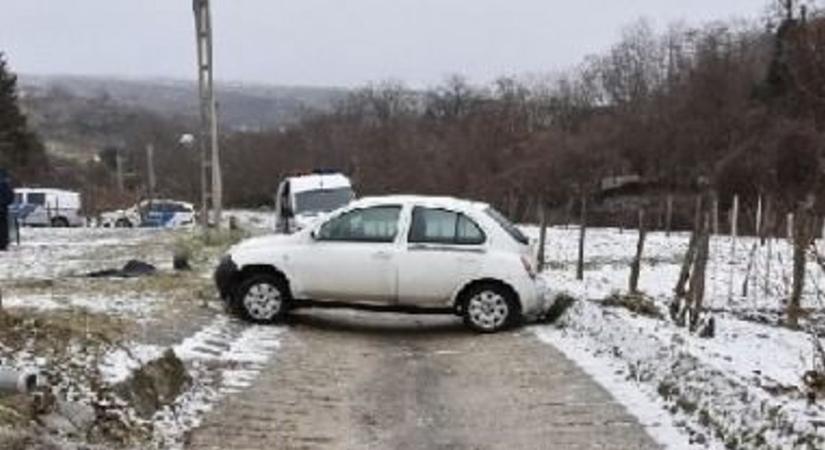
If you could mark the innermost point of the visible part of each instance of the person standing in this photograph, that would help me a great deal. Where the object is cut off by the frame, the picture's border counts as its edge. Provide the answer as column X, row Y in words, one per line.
column 6, row 199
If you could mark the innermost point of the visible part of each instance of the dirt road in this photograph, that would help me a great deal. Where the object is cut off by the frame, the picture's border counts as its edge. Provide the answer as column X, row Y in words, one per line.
column 346, row 380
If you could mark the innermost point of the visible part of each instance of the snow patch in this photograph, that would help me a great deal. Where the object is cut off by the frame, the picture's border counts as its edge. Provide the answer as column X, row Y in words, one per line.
column 638, row 399
column 117, row 365
column 224, row 358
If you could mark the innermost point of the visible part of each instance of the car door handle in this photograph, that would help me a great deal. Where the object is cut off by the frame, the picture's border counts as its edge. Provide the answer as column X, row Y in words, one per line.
column 382, row 255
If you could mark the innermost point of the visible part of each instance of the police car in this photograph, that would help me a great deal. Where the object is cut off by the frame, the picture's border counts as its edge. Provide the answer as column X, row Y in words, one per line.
column 42, row 207
column 159, row 213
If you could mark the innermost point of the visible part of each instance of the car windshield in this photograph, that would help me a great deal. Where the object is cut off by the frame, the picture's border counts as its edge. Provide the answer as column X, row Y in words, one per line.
column 322, row 200
column 508, row 226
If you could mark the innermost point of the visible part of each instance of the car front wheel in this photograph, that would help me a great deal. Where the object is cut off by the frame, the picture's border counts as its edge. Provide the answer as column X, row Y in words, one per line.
column 262, row 299
column 489, row 308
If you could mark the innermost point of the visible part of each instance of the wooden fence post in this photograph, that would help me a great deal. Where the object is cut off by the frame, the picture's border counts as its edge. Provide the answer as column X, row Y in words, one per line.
column 734, row 231
column 636, row 267
column 684, row 274
column 790, row 228
column 697, row 278
column 697, row 213
column 582, row 235
column 759, row 217
column 540, row 258
column 803, row 232
column 669, row 215
column 766, row 289
column 822, row 232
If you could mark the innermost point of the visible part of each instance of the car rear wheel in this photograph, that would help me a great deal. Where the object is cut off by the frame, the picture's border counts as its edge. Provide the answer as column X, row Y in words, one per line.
column 123, row 223
column 262, row 299
column 489, row 308
column 60, row 222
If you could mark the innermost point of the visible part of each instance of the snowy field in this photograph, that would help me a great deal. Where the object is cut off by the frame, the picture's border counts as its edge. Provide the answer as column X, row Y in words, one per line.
column 741, row 389
column 49, row 253
column 87, row 336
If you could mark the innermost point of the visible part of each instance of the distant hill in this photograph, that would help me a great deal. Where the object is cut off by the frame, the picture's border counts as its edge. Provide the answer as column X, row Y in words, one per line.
column 241, row 106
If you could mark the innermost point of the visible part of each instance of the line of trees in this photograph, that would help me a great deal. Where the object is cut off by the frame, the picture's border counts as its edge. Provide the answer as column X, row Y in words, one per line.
column 733, row 108
column 727, row 108
column 21, row 152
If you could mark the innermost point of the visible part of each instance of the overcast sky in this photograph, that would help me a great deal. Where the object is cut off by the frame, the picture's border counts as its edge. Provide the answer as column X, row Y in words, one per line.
column 332, row 42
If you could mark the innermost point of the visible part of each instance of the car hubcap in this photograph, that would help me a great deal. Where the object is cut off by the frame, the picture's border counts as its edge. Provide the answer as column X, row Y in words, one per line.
column 263, row 301
column 488, row 310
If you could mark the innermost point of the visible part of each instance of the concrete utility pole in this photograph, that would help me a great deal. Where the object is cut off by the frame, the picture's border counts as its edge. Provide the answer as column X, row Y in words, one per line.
column 150, row 167
column 119, row 163
column 209, row 125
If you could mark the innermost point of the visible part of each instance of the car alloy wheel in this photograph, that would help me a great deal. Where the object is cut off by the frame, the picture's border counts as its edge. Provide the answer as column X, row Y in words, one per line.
column 488, row 310
column 263, row 301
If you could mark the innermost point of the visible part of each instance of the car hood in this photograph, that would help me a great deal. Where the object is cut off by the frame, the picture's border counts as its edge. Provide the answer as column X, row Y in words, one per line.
column 262, row 242
column 305, row 220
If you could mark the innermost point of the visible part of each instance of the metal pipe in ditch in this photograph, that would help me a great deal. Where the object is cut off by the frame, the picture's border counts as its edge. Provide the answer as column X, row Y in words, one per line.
column 16, row 382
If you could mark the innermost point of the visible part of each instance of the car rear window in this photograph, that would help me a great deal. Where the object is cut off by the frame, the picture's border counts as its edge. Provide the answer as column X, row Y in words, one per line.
column 508, row 226
column 438, row 226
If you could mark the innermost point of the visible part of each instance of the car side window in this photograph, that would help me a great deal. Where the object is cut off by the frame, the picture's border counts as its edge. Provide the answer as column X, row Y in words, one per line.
column 376, row 224
column 36, row 198
column 179, row 208
column 438, row 226
column 158, row 207
column 468, row 232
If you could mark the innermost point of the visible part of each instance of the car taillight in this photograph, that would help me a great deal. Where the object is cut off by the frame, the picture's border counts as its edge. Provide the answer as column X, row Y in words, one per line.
column 528, row 266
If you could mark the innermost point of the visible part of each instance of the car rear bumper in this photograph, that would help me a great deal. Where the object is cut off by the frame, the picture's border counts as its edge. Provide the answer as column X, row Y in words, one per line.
column 533, row 294
column 226, row 276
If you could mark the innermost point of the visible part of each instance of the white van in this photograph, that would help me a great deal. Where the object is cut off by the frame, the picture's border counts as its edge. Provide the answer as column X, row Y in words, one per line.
column 302, row 200
column 47, row 207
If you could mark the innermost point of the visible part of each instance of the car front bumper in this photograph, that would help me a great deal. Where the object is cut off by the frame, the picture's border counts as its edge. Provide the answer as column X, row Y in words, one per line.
column 226, row 276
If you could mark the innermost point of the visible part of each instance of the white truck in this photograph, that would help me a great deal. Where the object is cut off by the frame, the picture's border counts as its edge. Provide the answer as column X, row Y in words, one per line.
column 42, row 207
column 302, row 200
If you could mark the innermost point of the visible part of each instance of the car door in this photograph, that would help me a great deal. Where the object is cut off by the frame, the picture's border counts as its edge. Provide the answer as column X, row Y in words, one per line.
column 444, row 250
column 36, row 212
column 352, row 257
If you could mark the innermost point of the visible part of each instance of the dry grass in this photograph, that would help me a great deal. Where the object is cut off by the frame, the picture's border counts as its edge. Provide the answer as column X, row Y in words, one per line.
column 637, row 303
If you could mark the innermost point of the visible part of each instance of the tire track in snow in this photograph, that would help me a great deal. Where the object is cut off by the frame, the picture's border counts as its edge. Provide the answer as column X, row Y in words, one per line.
column 224, row 358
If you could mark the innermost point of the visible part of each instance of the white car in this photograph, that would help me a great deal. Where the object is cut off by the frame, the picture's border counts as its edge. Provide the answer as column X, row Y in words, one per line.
column 152, row 214
column 399, row 253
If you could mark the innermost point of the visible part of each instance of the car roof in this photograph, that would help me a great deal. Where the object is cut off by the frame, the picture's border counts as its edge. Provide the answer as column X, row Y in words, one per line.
column 24, row 190
column 421, row 200
column 166, row 200
column 317, row 182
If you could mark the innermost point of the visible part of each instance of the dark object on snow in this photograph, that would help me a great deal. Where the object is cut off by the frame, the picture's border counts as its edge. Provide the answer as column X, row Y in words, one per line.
column 707, row 327
column 180, row 261
column 155, row 384
column 132, row 269
column 6, row 199
column 636, row 303
column 560, row 305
